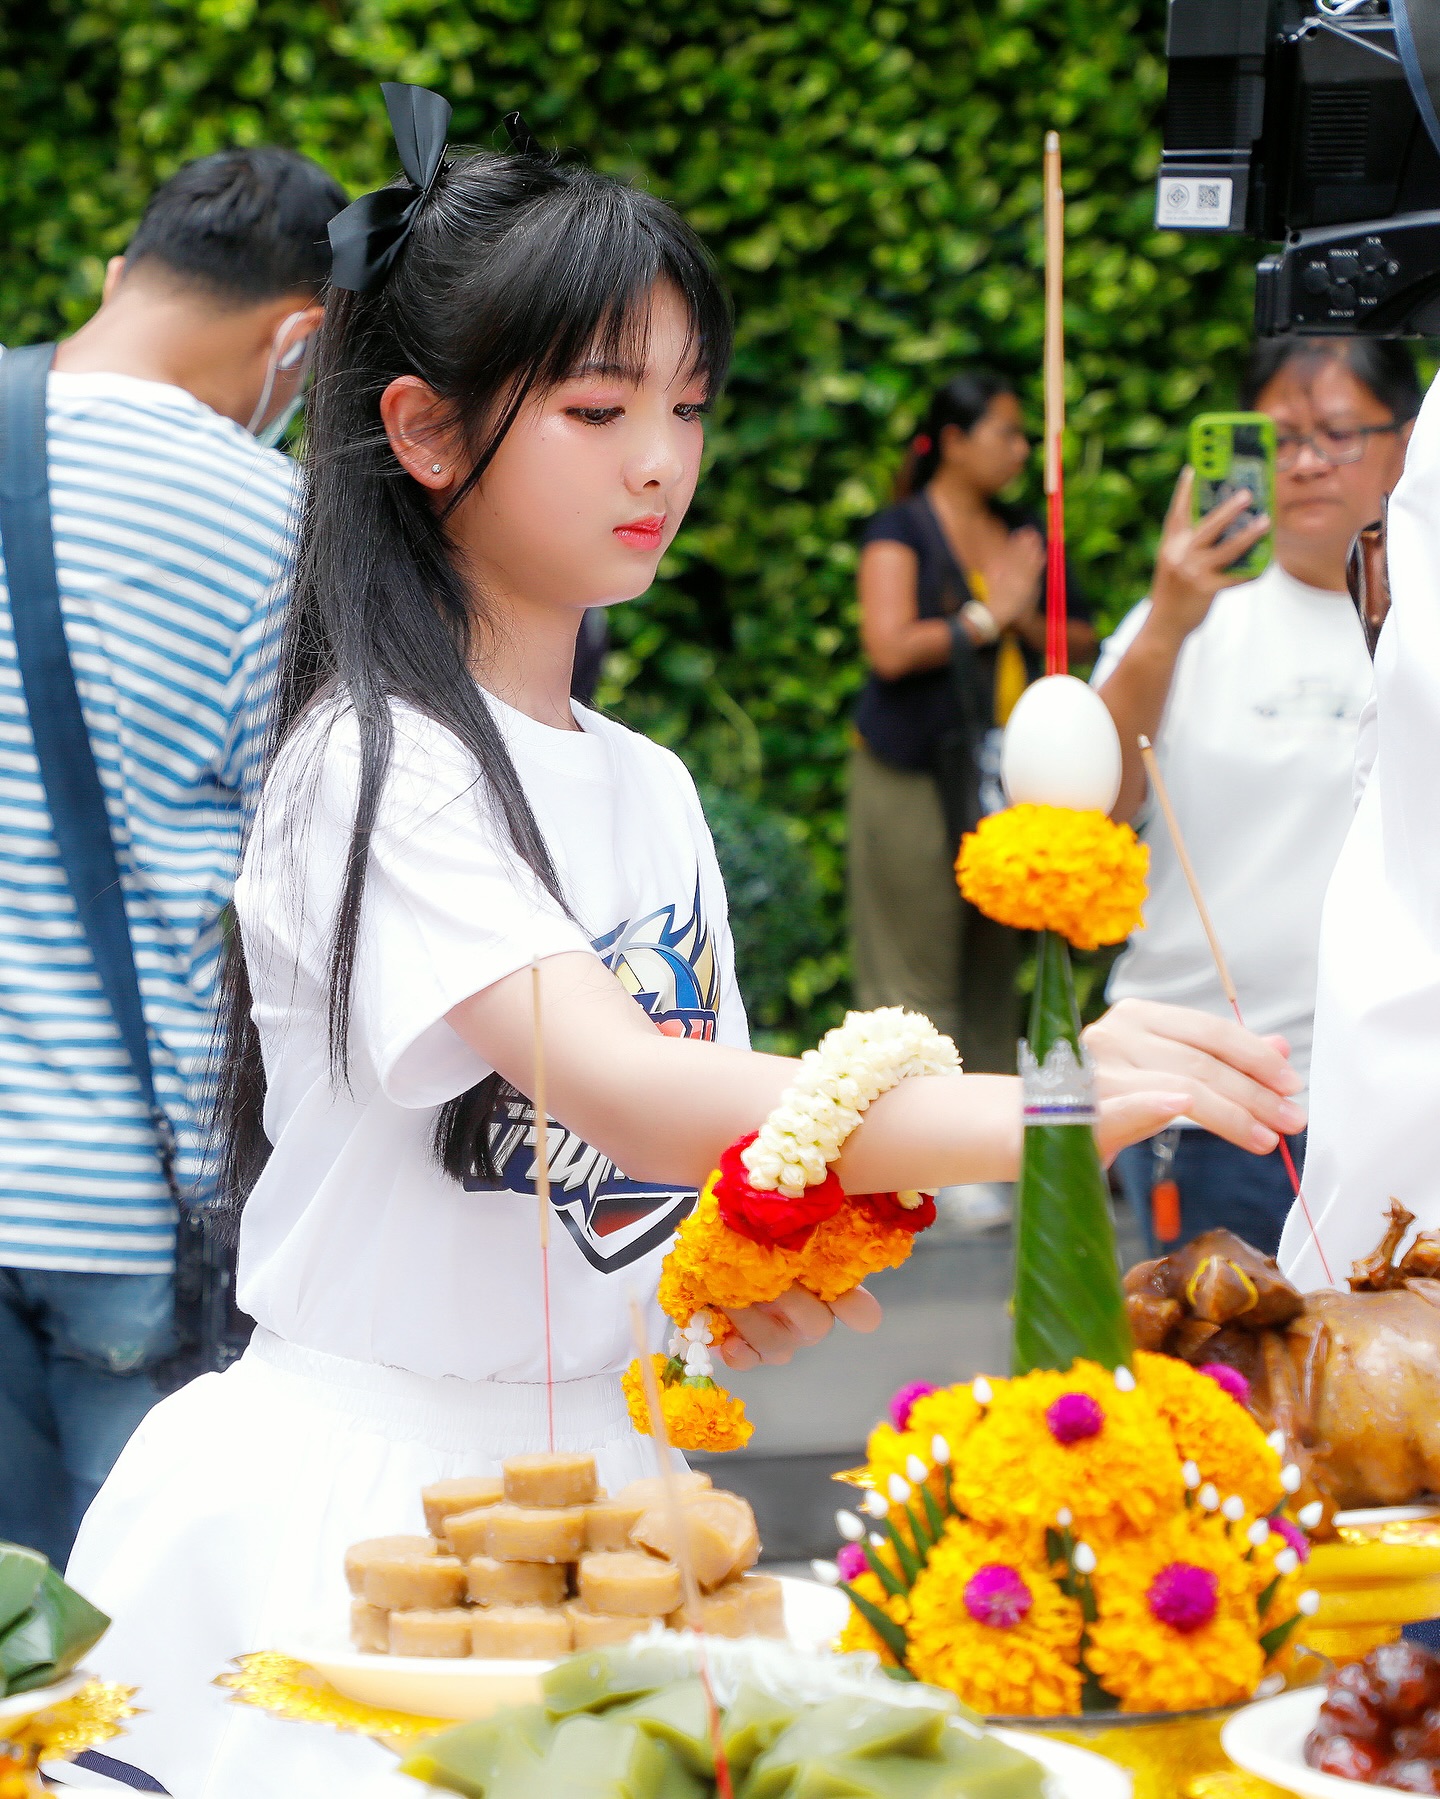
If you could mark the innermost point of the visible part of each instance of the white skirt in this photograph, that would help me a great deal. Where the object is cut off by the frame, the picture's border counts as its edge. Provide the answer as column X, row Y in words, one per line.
column 223, row 1527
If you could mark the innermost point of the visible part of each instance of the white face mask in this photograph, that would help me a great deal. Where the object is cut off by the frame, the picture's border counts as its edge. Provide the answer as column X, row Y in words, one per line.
column 290, row 358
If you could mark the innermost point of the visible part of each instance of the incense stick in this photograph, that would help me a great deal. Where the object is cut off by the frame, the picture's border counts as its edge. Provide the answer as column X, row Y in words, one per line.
column 675, row 1517
column 1057, row 652
column 542, row 1192
column 1222, row 967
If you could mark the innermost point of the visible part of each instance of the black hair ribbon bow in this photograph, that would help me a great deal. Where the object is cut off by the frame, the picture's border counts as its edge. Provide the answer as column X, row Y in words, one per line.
column 366, row 238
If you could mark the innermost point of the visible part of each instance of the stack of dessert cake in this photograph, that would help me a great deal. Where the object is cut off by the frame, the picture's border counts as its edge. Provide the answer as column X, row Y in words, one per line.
column 540, row 1562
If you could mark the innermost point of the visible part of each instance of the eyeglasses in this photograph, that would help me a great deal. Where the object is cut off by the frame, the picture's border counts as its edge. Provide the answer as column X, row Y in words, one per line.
column 1334, row 447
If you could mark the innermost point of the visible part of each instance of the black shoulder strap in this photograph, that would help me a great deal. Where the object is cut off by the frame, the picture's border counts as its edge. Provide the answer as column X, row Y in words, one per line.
column 62, row 743
column 955, row 583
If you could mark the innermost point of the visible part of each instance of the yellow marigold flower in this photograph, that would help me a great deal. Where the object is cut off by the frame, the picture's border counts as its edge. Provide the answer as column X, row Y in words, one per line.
column 847, row 1247
column 857, row 1634
column 696, row 1417
column 1076, row 1440
column 1176, row 1627
column 988, row 1622
column 1213, row 1430
column 1047, row 868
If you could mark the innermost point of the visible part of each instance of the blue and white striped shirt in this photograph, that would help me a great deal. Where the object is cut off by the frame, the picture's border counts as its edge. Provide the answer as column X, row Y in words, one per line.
column 172, row 532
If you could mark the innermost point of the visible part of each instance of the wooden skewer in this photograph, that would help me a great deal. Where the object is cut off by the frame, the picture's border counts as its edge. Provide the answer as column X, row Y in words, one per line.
column 542, row 1193
column 1054, row 311
column 675, row 1516
column 1222, row 967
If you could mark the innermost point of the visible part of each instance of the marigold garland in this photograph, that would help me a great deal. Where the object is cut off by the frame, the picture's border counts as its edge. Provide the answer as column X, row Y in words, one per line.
column 1048, row 868
column 698, row 1414
column 1095, row 1533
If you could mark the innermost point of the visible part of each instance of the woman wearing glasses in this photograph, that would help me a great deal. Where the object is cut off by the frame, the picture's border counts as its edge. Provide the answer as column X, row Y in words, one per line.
column 1251, row 692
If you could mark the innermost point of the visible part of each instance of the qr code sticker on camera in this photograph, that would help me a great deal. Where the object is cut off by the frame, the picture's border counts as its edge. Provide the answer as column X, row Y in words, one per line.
column 1208, row 199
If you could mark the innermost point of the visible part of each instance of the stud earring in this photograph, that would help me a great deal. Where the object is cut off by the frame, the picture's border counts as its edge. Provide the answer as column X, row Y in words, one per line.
column 435, row 468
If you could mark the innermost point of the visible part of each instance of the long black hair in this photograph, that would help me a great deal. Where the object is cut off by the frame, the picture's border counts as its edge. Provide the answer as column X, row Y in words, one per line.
column 518, row 268
column 962, row 402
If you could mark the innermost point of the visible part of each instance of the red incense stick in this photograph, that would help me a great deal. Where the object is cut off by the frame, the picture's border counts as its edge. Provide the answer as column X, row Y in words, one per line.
column 1057, row 643
column 1222, row 967
column 542, row 1190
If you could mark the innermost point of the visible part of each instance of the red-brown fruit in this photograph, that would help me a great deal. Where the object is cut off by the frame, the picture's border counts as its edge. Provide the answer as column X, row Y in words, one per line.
column 1419, row 1741
column 1407, row 1679
column 1346, row 1714
column 1414, row 1776
column 1339, row 1755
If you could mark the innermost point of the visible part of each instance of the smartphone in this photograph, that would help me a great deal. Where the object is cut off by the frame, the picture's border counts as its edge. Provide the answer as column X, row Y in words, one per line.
column 1228, row 451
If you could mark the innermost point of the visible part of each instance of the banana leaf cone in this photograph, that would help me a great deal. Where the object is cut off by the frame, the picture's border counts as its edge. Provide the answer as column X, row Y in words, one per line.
column 1068, row 1300
column 45, row 1626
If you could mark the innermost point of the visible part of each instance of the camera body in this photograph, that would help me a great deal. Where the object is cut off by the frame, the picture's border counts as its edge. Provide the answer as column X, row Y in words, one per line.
column 1312, row 124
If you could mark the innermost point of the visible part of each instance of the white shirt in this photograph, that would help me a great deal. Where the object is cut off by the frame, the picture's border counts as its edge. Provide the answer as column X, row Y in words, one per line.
column 1257, row 746
column 1376, row 1093
column 354, row 1241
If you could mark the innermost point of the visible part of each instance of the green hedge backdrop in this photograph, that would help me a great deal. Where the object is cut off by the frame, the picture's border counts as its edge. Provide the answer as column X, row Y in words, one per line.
column 868, row 175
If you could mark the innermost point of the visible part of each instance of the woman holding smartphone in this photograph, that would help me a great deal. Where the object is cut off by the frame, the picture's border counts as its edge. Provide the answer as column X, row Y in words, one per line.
column 1251, row 692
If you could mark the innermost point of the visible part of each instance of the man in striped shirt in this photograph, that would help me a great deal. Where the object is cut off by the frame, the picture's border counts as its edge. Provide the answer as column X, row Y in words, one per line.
column 172, row 529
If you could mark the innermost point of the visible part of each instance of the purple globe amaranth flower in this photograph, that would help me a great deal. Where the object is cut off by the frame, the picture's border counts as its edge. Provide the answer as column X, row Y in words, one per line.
column 850, row 1560
column 997, row 1595
column 1295, row 1537
column 1183, row 1596
column 1074, row 1417
column 900, row 1405
column 1231, row 1379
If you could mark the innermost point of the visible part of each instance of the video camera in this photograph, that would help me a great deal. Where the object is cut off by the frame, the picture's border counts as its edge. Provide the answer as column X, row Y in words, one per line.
column 1314, row 124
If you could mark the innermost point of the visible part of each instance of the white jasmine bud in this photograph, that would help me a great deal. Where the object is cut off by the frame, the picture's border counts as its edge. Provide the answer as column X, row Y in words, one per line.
column 1258, row 1533
column 1084, row 1559
column 876, row 1504
column 1124, row 1380
column 982, row 1390
column 1308, row 1603
column 916, row 1470
column 1291, row 1477
column 826, row 1573
column 940, row 1449
column 1310, row 1515
column 1286, row 1562
column 1209, row 1497
column 876, row 1540
column 1064, row 1517
column 1233, row 1509
column 1276, row 1440
column 849, row 1526
column 1190, row 1474
column 1270, row 1686
column 898, row 1489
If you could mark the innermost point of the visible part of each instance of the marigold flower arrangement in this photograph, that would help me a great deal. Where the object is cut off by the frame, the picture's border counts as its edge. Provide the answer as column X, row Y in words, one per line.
column 1048, row 868
column 773, row 1215
column 1087, row 1540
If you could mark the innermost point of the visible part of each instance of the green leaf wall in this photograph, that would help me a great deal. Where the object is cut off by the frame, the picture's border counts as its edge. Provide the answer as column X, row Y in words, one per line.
column 868, row 176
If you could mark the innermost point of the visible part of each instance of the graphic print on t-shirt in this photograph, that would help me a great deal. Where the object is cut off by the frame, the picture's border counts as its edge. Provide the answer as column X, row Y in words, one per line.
column 669, row 967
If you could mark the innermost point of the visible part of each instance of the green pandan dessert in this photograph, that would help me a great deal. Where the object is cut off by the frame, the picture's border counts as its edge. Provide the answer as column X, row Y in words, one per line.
column 45, row 1626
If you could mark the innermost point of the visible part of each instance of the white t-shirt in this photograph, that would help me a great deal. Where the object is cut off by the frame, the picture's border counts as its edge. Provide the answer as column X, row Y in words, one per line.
column 1257, row 746
column 354, row 1241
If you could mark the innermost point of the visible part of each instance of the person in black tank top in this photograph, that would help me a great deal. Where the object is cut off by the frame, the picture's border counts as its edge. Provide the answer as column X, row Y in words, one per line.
column 952, row 624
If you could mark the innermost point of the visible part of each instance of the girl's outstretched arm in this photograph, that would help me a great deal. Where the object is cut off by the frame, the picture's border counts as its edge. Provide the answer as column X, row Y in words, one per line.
column 663, row 1108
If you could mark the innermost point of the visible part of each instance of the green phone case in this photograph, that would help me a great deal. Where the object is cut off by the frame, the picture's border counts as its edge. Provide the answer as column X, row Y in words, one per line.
column 1228, row 451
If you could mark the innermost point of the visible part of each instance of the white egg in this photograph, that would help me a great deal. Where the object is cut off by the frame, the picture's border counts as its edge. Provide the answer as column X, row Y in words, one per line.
column 1061, row 748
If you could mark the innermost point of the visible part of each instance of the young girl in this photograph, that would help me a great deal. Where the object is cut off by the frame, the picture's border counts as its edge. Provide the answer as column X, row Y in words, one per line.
column 506, row 428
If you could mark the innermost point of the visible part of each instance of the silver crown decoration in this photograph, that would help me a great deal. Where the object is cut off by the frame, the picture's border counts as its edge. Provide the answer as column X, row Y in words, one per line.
column 1061, row 1090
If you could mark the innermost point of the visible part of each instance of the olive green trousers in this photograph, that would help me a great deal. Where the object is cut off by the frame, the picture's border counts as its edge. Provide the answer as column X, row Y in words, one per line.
column 914, row 941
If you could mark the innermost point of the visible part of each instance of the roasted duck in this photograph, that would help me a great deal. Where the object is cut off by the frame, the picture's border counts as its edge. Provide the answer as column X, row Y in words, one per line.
column 1352, row 1380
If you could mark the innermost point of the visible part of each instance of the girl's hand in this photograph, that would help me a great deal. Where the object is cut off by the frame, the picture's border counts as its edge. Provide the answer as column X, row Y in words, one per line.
column 1192, row 565
column 1237, row 1084
column 773, row 1332
column 1012, row 578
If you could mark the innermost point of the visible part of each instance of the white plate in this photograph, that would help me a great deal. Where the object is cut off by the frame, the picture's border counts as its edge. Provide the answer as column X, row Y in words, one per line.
column 1268, row 1739
column 20, row 1706
column 436, row 1687
column 1074, row 1773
